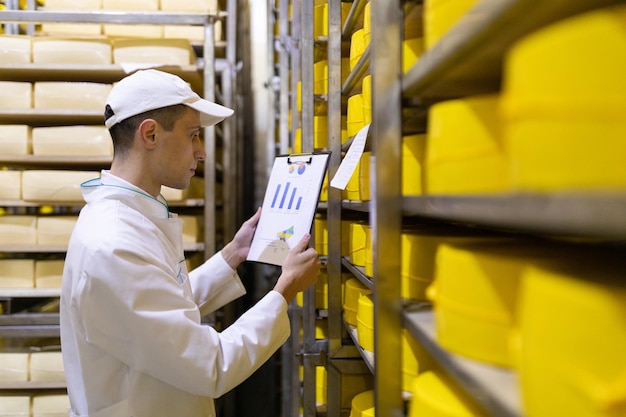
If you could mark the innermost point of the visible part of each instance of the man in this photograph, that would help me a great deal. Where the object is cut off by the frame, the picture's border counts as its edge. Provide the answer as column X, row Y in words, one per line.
column 131, row 336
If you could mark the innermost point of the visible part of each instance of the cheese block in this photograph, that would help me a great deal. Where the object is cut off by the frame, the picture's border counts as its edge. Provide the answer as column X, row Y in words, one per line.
column 320, row 132
column 46, row 366
column 13, row 367
column 153, row 51
column 441, row 15
column 73, row 4
column 16, row 95
column 192, row 229
column 55, row 230
column 48, row 185
column 48, row 273
column 72, row 141
column 71, row 29
column 15, row 49
column 412, row 49
column 133, row 31
column 10, row 185
column 71, row 95
column 54, row 405
column 60, row 50
column 413, row 156
column 15, row 406
column 192, row 33
column 434, row 394
column 356, row 116
column 143, row 5
column 195, row 190
column 18, row 230
column 465, row 147
column 353, row 289
column 195, row 6
column 563, row 100
column 15, row 140
column 357, row 47
column 17, row 273
column 365, row 322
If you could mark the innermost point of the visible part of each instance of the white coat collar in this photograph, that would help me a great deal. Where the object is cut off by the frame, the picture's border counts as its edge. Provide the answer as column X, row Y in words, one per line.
column 108, row 186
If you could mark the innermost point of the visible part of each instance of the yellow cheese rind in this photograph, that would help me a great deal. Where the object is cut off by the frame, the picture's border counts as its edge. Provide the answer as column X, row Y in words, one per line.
column 55, row 230
column 13, row 367
column 54, row 185
column 15, row 405
column 16, row 95
column 152, row 51
column 46, row 366
column 192, row 33
column 73, row 4
column 10, row 185
column 48, row 273
column 60, row 50
column 17, row 273
column 195, row 6
column 15, row 49
column 18, row 230
column 54, row 405
column 72, row 141
column 71, row 95
column 15, row 140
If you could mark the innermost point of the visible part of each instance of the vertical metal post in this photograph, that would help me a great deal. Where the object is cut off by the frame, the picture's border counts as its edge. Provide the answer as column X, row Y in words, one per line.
column 231, row 141
column 209, row 142
column 283, row 32
column 335, row 325
column 386, row 214
column 307, row 49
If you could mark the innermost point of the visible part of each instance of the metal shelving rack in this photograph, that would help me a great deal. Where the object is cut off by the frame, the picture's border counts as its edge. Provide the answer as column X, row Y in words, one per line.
column 467, row 61
column 203, row 75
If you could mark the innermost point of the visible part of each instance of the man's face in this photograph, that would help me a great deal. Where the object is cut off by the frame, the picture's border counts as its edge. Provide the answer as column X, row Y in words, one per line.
column 180, row 150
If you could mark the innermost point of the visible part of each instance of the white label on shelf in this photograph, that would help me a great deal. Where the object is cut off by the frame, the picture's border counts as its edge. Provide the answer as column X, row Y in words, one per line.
column 351, row 160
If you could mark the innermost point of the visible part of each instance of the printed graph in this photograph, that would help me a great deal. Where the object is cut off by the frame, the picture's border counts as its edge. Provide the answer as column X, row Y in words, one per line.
column 285, row 194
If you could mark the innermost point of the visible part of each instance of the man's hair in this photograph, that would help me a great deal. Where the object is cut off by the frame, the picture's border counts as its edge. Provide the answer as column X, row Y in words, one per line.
column 123, row 132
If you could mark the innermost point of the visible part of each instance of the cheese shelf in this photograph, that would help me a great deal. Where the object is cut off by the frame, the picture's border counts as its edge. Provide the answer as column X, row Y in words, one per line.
column 368, row 357
column 468, row 59
column 584, row 215
column 597, row 215
column 190, row 202
column 38, row 161
column 32, row 385
column 188, row 247
column 30, row 292
column 102, row 73
column 51, row 117
column 110, row 16
column 496, row 390
column 358, row 272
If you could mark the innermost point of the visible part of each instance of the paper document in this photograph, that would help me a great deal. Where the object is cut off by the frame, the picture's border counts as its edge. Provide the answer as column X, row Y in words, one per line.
column 351, row 160
column 289, row 206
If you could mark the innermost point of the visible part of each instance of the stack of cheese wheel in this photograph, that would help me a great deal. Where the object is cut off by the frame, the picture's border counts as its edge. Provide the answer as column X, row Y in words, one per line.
column 563, row 100
column 465, row 153
column 573, row 338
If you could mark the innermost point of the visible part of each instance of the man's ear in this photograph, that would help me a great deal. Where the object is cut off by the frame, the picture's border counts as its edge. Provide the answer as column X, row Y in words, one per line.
column 147, row 133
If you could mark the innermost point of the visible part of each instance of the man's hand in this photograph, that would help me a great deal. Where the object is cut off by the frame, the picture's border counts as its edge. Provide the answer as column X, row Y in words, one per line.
column 300, row 270
column 237, row 250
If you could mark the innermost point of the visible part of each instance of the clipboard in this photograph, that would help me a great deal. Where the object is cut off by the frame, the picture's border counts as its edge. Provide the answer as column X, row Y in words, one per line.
column 289, row 205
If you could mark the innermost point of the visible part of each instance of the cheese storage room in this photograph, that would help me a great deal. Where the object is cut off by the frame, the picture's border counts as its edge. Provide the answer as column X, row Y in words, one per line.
column 460, row 252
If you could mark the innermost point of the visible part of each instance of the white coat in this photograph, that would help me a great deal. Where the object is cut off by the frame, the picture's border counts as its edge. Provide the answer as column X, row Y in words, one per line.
column 131, row 336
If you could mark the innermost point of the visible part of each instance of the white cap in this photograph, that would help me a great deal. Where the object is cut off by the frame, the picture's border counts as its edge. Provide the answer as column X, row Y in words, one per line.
column 152, row 89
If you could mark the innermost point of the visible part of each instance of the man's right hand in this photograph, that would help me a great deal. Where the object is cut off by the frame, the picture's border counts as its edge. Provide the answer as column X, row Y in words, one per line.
column 300, row 270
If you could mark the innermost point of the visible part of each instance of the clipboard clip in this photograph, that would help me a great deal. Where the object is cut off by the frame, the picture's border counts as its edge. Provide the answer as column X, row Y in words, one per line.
column 300, row 155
